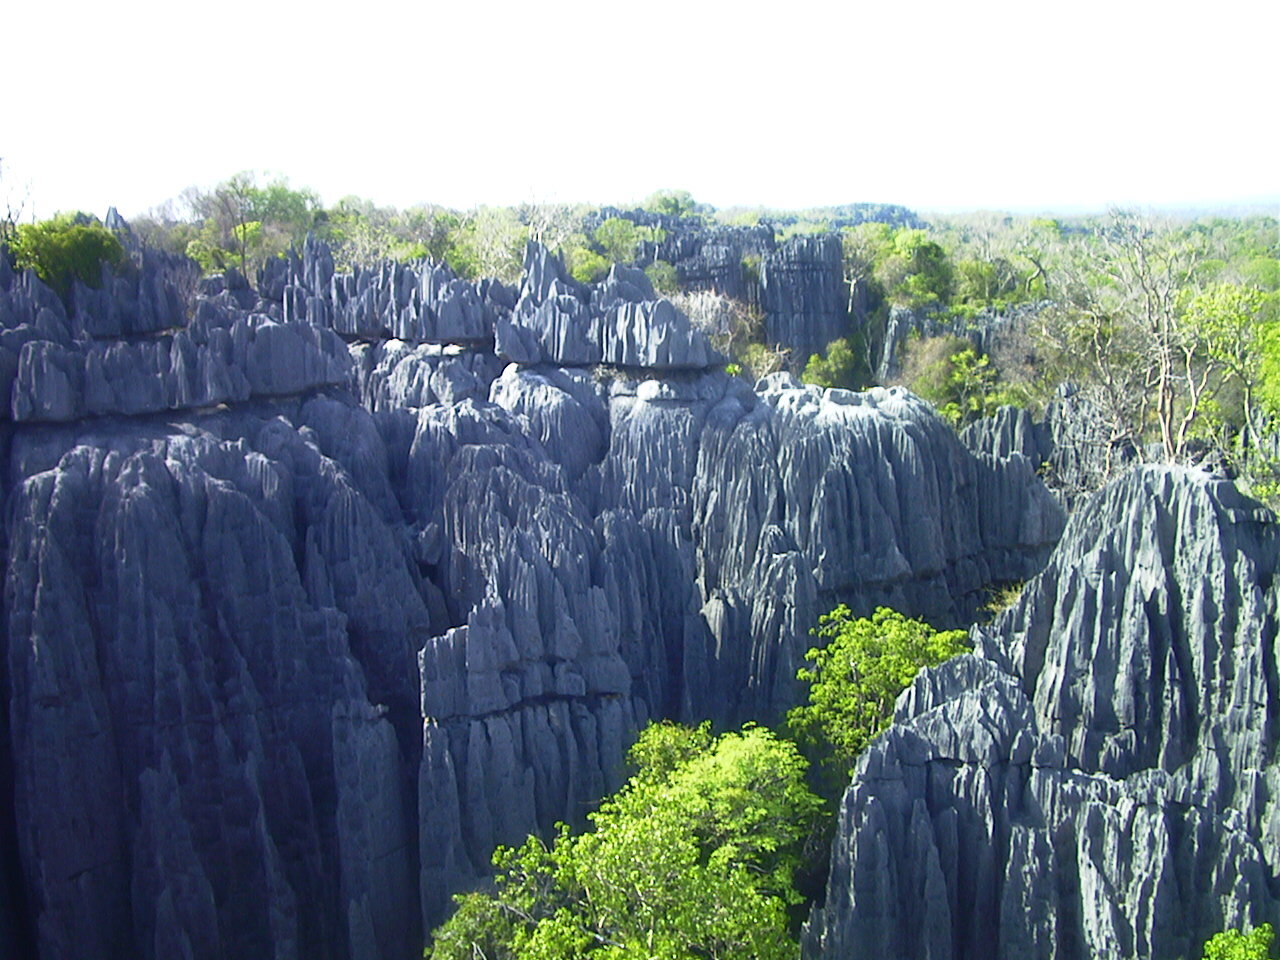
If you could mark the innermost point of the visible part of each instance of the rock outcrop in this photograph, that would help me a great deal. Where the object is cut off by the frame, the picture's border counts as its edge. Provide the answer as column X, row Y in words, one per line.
column 1070, row 446
column 1099, row 778
column 420, row 303
column 317, row 592
column 804, row 296
column 556, row 321
column 815, row 497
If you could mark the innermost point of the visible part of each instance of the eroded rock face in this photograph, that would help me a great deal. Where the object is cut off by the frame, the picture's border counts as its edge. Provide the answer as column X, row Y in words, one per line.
column 1099, row 777
column 556, row 321
column 1070, row 447
column 418, row 303
column 804, row 296
column 313, row 597
column 193, row 663
column 817, row 497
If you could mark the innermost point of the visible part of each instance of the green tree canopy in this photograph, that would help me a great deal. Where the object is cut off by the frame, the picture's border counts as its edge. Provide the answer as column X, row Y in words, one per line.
column 65, row 248
column 1252, row 944
column 905, row 266
column 618, row 240
column 841, row 365
column 857, row 675
column 676, row 203
column 693, row 857
column 958, row 380
column 245, row 222
column 664, row 278
column 489, row 242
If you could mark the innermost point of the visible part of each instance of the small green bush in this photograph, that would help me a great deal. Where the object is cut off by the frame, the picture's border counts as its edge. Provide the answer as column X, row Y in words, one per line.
column 65, row 249
column 663, row 277
column 842, row 365
column 587, row 266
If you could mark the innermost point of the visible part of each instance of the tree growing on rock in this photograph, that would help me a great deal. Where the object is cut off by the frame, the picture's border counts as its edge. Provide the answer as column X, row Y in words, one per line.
column 245, row 222
column 67, row 248
column 840, row 365
column 693, row 857
column 855, row 678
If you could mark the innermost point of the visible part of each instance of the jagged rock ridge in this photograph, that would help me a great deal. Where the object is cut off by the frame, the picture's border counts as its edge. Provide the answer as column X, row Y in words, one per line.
column 292, row 641
column 1070, row 446
column 1099, row 778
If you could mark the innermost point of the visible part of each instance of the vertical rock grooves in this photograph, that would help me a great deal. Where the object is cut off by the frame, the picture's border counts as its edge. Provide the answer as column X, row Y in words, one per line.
column 1100, row 777
column 315, row 594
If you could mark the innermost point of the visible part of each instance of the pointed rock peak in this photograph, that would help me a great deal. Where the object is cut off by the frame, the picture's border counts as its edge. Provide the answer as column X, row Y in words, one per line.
column 628, row 283
column 546, row 274
column 117, row 224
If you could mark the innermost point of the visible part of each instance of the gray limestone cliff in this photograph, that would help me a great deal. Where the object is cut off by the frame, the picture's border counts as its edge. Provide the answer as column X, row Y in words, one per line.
column 1069, row 446
column 1099, row 778
column 314, row 593
column 804, row 296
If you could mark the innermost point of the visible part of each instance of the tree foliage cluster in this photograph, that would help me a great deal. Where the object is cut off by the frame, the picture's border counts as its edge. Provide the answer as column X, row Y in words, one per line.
column 962, row 383
column 694, row 856
column 1245, row 944
column 843, row 364
column 64, row 249
column 1167, row 328
column 616, row 240
column 250, row 218
column 1170, row 330
column 904, row 266
column 856, row 675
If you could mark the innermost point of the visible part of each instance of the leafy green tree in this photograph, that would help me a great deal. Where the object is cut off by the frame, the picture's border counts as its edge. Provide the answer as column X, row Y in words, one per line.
column 489, row 242
column 863, row 247
column 1252, row 944
column 693, row 857
column 662, row 748
column 1262, row 273
column 618, row 240
column 856, row 676
column 840, row 366
column 663, row 277
column 1225, row 320
column 585, row 265
column 554, row 225
column 675, row 203
column 66, row 248
column 245, row 222
column 959, row 381
column 906, row 267
column 426, row 227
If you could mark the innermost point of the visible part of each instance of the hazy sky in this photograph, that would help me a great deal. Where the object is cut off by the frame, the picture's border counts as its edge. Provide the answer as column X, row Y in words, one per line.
column 936, row 105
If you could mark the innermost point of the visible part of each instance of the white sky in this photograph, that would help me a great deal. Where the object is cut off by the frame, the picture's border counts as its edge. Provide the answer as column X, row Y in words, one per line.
column 935, row 105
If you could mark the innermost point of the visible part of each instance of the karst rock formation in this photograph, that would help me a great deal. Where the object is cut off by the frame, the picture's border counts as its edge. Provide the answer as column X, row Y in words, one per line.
column 1099, row 778
column 317, row 590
